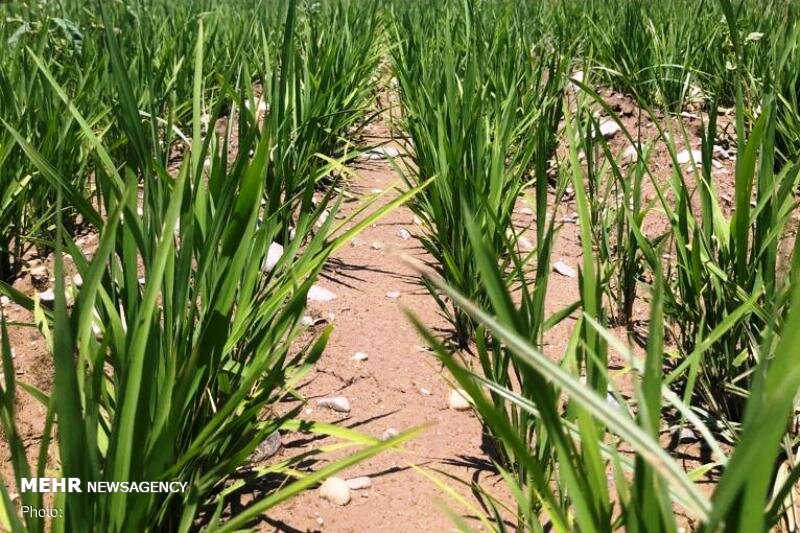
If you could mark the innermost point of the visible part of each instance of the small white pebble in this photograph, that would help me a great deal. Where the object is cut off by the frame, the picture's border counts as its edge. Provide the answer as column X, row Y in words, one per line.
column 274, row 254
column 564, row 269
column 403, row 234
column 376, row 245
column 359, row 483
column 360, row 356
column 458, row 400
column 390, row 433
column 340, row 404
column 686, row 156
column 320, row 294
column 393, row 295
column 525, row 245
column 47, row 297
column 335, row 490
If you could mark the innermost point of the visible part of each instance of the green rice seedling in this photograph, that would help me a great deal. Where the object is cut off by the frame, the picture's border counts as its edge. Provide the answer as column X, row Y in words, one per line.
column 26, row 202
column 476, row 126
column 722, row 264
column 178, row 345
column 588, row 436
column 314, row 93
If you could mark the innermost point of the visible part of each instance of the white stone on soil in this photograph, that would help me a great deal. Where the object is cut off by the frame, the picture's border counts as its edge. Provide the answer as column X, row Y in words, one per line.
column 376, row 245
column 457, row 400
column 393, row 295
column 320, row 294
column 340, row 404
column 39, row 272
column 47, row 297
column 390, row 433
column 686, row 156
column 382, row 152
column 335, row 490
column 525, row 245
column 564, row 269
column 359, row 483
column 268, row 447
column 631, row 154
column 360, row 356
column 323, row 217
column 612, row 401
column 609, row 129
column 274, row 255
column 686, row 434
column 578, row 76
column 403, row 234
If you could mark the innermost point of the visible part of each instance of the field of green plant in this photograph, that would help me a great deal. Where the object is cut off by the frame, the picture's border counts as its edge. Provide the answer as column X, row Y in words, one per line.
column 193, row 138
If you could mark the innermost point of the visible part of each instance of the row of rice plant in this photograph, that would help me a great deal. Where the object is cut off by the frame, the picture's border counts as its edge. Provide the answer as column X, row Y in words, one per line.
column 480, row 111
column 724, row 307
column 172, row 355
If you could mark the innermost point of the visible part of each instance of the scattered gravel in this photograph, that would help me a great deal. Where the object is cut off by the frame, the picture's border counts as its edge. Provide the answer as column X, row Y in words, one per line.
column 47, row 297
column 630, row 154
column 381, row 152
column 274, row 255
column 578, row 76
column 458, row 400
column 320, row 294
column 359, row 483
column 340, row 404
column 525, row 245
column 686, row 156
column 609, row 128
column 335, row 490
column 686, row 434
column 267, row 448
column 612, row 401
column 390, row 433
column 564, row 269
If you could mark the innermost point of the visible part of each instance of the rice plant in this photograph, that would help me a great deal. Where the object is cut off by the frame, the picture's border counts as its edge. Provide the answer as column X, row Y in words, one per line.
column 475, row 128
